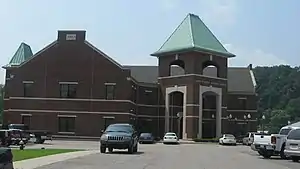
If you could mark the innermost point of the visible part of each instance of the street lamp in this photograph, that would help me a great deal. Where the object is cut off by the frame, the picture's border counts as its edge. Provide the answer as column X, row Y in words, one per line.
column 262, row 124
column 212, row 126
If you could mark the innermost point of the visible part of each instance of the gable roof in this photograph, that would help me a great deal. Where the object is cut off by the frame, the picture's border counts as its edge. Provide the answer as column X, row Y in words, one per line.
column 23, row 53
column 192, row 35
column 239, row 79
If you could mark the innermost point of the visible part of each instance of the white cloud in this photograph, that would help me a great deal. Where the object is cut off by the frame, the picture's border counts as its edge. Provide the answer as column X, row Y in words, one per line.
column 257, row 57
column 220, row 12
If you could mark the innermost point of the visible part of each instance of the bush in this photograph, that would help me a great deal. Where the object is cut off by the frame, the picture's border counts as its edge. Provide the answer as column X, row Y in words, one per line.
column 211, row 140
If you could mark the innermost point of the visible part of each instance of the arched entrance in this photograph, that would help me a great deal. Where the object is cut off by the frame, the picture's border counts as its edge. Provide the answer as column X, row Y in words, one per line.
column 176, row 112
column 210, row 112
column 209, row 106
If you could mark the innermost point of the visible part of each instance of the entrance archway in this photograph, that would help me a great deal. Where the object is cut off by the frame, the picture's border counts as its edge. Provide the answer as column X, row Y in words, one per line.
column 176, row 112
column 209, row 106
column 213, row 93
column 171, row 114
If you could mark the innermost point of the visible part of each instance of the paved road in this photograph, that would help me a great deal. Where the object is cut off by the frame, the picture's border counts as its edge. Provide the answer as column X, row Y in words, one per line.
column 191, row 156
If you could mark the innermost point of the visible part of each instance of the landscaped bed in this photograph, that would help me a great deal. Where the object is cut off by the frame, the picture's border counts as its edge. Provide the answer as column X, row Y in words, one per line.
column 34, row 153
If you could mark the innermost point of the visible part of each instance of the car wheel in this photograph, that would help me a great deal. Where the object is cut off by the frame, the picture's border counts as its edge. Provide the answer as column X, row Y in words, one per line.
column 135, row 148
column 102, row 149
column 295, row 158
column 130, row 149
column 110, row 149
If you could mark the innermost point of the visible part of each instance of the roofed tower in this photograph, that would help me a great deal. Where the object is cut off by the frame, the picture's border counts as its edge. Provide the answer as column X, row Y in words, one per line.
column 192, row 42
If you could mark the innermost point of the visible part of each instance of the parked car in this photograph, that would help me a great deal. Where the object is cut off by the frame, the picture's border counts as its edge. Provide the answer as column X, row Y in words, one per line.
column 292, row 148
column 146, row 138
column 17, row 135
column 6, row 158
column 248, row 138
column 170, row 138
column 227, row 139
column 5, row 138
column 119, row 136
column 269, row 145
column 40, row 135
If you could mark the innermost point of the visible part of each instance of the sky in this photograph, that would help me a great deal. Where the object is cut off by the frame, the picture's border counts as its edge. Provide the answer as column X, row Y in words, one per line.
column 258, row 32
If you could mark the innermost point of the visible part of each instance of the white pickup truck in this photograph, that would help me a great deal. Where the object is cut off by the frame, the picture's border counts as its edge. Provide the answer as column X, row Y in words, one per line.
column 272, row 145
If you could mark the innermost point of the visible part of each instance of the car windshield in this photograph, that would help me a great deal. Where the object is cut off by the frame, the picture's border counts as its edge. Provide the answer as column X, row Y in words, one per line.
column 284, row 131
column 170, row 134
column 146, row 134
column 294, row 135
column 119, row 128
column 228, row 135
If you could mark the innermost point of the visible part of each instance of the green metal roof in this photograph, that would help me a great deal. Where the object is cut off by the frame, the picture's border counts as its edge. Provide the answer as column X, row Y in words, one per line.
column 22, row 54
column 192, row 35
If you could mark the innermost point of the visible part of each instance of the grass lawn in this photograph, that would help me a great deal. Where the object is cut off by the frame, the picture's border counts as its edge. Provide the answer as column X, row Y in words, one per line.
column 34, row 153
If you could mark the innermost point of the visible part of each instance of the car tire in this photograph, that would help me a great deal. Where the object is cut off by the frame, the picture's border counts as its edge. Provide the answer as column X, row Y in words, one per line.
column 282, row 155
column 102, row 149
column 130, row 149
column 295, row 159
column 135, row 148
column 110, row 149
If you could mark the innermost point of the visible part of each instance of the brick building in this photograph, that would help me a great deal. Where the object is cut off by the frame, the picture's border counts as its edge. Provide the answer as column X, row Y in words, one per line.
column 72, row 88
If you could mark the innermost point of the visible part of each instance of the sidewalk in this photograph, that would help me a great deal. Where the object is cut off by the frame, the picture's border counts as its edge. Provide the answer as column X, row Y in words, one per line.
column 46, row 160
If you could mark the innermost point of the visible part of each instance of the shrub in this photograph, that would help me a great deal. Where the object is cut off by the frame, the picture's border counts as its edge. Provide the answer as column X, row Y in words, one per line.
column 212, row 140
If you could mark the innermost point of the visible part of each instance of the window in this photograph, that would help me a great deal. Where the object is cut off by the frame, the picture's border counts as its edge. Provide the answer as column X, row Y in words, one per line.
column 68, row 90
column 110, row 91
column 27, row 88
column 284, row 131
column 26, row 120
column 294, row 135
column 66, row 124
column 243, row 103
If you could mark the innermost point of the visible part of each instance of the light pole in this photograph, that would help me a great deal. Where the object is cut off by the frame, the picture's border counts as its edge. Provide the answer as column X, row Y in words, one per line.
column 245, row 118
column 229, row 118
column 212, row 125
column 179, row 116
column 248, row 120
column 262, row 124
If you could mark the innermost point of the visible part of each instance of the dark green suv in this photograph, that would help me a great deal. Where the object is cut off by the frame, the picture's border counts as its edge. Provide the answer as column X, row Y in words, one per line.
column 119, row 136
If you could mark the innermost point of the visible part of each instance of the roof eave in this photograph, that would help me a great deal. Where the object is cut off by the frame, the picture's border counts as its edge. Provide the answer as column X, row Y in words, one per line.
column 199, row 49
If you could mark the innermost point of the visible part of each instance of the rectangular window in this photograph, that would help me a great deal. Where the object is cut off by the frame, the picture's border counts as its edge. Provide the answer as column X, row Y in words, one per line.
column 27, row 88
column 26, row 119
column 110, row 91
column 68, row 90
column 243, row 103
column 66, row 124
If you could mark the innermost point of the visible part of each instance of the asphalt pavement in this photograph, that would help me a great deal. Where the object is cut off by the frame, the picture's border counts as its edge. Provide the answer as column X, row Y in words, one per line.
column 191, row 156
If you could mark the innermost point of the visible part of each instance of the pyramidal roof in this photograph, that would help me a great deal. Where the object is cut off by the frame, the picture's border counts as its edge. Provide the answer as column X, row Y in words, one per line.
column 192, row 35
column 23, row 53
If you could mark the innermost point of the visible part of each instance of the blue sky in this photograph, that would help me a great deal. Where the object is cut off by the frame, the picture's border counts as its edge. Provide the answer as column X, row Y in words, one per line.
column 261, row 32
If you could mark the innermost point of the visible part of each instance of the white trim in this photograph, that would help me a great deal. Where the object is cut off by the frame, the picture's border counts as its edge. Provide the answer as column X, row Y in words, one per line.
column 68, row 83
column 66, row 132
column 28, row 82
column 169, row 77
column 210, row 57
column 107, row 84
column 242, row 98
column 72, row 112
column 253, row 78
column 108, row 117
column 148, row 91
column 63, row 115
column 26, row 115
column 103, row 54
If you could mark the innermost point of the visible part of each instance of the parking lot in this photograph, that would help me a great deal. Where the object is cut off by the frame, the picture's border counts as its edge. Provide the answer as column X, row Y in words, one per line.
column 159, row 156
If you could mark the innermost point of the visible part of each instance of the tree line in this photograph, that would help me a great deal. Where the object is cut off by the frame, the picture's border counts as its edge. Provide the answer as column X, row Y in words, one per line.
column 278, row 88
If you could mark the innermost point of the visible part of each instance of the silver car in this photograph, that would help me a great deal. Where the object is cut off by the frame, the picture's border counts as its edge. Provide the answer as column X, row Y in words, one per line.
column 292, row 148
